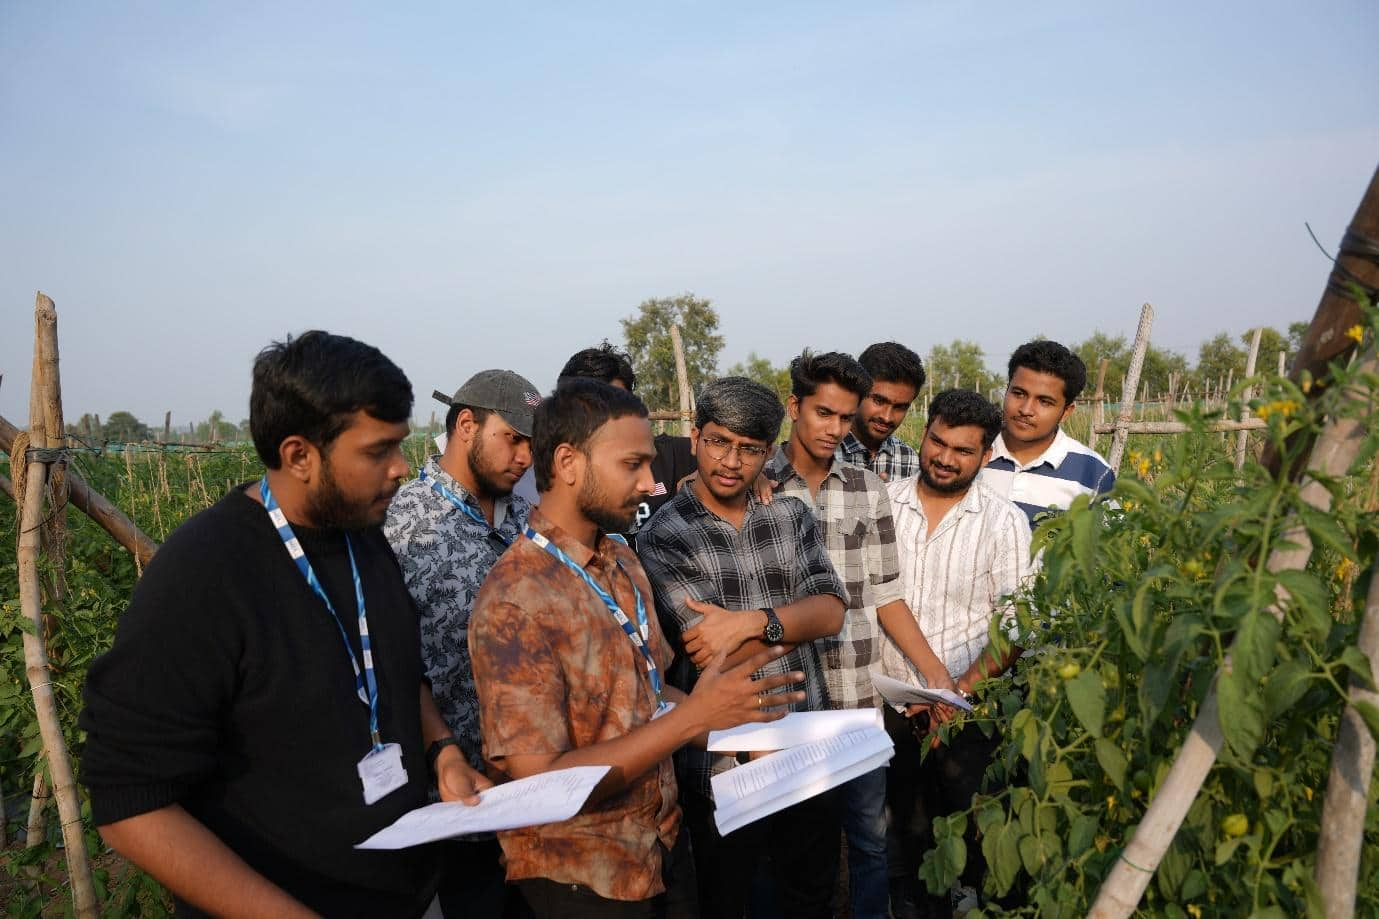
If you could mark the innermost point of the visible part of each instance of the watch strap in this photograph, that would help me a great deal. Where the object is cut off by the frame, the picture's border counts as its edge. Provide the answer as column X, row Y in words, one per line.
column 433, row 752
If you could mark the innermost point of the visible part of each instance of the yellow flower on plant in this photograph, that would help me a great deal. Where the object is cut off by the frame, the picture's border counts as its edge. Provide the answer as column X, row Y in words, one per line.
column 1307, row 790
column 1356, row 332
column 1142, row 467
column 1194, row 910
column 1344, row 569
column 1285, row 407
column 1110, row 803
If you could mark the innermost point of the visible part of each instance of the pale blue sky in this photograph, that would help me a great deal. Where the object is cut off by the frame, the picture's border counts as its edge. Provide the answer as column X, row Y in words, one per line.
column 474, row 187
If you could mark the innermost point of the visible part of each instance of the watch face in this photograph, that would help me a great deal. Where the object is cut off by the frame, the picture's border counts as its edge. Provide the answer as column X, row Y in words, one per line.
column 774, row 631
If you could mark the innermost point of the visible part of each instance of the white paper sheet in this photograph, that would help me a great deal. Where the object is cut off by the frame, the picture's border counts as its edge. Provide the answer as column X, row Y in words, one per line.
column 795, row 729
column 757, row 789
column 901, row 694
column 546, row 798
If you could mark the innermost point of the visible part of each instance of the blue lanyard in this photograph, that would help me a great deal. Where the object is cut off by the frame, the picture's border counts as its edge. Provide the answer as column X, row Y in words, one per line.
column 294, row 548
column 465, row 507
column 639, row 633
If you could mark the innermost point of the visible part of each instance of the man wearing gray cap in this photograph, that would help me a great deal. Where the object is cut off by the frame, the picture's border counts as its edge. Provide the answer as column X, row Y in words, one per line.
column 448, row 527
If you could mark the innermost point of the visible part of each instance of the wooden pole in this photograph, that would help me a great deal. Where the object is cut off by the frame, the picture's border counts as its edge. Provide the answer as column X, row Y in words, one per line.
column 1243, row 436
column 1120, row 892
column 1283, row 363
column 681, row 379
column 1132, row 385
column 1099, row 400
column 1342, row 835
column 1178, row 427
column 35, row 648
column 167, row 426
column 95, row 505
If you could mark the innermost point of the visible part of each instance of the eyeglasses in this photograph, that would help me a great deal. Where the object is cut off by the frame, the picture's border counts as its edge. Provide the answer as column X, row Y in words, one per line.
column 719, row 449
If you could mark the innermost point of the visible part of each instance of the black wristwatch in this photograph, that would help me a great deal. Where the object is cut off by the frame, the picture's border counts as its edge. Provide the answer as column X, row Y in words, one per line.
column 774, row 631
column 433, row 752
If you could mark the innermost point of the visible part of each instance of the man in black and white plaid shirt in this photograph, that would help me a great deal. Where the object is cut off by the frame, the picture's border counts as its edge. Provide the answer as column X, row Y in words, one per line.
column 854, row 514
column 731, row 573
column 897, row 376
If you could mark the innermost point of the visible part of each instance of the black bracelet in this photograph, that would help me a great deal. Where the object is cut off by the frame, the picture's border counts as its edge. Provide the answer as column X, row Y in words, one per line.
column 433, row 752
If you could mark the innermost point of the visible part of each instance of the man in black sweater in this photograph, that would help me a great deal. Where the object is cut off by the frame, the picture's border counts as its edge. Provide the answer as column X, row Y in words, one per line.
column 263, row 707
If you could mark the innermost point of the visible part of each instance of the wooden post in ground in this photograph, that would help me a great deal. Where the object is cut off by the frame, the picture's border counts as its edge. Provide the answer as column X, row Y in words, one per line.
column 1283, row 363
column 1243, row 436
column 167, row 427
column 35, row 648
column 1342, row 835
column 1132, row 385
column 1099, row 400
column 681, row 380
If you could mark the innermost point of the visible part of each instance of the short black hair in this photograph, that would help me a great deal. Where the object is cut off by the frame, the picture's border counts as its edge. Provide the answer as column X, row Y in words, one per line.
column 809, row 371
column 571, row 415
column 311, row 384
column 892, row 362
column 1046, row 356
column 743, row 406
column 454, row 415
column 962, row 407
column 604, row 363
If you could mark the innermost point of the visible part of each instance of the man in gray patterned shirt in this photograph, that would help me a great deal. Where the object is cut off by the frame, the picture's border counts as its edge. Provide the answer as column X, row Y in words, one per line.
column 730, row 573
column 854, row 515
column 448, row 527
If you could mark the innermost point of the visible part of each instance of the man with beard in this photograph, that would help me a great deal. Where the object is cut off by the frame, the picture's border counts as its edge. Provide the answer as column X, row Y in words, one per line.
column 568, row 658
column 448, row 526
column 897, row 376
column 235, row 751
column 854, row 516
column 724, row 562
column 963, row 550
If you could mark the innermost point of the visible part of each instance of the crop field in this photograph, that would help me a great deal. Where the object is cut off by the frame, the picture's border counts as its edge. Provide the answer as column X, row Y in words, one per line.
column 1133, row 611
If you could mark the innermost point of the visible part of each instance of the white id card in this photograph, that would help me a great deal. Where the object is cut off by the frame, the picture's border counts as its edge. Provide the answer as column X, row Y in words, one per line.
column 381, row 772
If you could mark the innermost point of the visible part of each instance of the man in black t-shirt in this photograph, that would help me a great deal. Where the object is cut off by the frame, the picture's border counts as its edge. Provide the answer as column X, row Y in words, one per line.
column 263, row 709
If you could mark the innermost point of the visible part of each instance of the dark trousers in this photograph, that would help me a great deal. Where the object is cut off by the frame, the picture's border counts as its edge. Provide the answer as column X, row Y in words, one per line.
column 472, row 882
column 548, row 899
column 916, row 793
column 798, row 846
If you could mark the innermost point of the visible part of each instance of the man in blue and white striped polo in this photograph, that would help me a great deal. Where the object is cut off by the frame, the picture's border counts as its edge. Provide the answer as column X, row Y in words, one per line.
column 1034, row 463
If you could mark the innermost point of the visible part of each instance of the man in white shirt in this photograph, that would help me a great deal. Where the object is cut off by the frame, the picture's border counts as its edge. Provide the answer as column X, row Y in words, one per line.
column 1034, row 462
column 963, row 550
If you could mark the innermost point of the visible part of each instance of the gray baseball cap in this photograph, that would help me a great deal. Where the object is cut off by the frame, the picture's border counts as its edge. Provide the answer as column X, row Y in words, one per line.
column 512, row 396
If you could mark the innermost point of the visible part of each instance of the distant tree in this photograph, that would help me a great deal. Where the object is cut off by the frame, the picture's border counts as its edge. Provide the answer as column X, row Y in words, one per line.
column 214, row 424
column 1159, row 363
column 760, row 369
column 648, row 344
column 963, row 362
column 1296, row 330
column 124, row 428
column 1216, row 358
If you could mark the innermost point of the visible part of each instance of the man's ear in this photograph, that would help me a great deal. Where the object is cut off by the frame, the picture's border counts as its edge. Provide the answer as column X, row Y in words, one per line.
column 299, row 458
column 466, row 426
column 792, row 407
column 694, row 442
column 1067, row 410
column 565, row 464
column 986, row 455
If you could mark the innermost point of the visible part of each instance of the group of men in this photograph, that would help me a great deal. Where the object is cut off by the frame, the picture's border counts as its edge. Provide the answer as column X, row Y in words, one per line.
column 555, row 588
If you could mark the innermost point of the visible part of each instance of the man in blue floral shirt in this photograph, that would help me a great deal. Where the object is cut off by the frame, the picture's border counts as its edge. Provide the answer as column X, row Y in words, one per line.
column 448, row 527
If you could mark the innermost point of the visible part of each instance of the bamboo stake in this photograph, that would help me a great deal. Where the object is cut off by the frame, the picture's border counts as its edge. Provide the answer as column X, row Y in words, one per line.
column 681, row 379
column 35, row 649
column 1120, row 893
column 1131, row 386
column 1342, row 835
column 1283, row 363
column 94, row 504
column 1241, row 438
column 1178, row 427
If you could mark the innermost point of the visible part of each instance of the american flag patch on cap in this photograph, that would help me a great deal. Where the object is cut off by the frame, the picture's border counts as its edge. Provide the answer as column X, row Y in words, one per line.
column 531, row 398
column 660, row 489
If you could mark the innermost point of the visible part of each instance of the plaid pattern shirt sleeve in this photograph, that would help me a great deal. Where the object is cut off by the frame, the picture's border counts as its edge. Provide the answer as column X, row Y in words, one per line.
column 893, row 460
column 776, row 558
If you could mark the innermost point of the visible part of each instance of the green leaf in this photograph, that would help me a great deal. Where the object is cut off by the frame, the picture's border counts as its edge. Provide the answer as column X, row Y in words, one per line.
column 1370, row 714
column 1112, row 761
column 1285, row 686
column 1311, row 602
column 1323, row 528
column 1256, row 644
column 1194, row 885
column 1086, row 528
column 1006, row 866
column 1088, row 700
column 1241, row 714
column 1159, row 679
column 1226, row 848
column 1081, row 834
column 1031, row 855
column 1355, row 661
column 1264, row 782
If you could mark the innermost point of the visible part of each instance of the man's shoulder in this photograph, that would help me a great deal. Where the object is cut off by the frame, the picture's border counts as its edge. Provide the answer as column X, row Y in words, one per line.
column 671, row 519
column 1085, row 466
column 995, row 506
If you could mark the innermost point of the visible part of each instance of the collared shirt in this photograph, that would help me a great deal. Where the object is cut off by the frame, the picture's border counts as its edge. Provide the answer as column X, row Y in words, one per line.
column 775, row 559
column 854, row 516
column 555, row 672
column 445, row 556
column 1049, row 482
column 893, row 460
column 957, row 577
